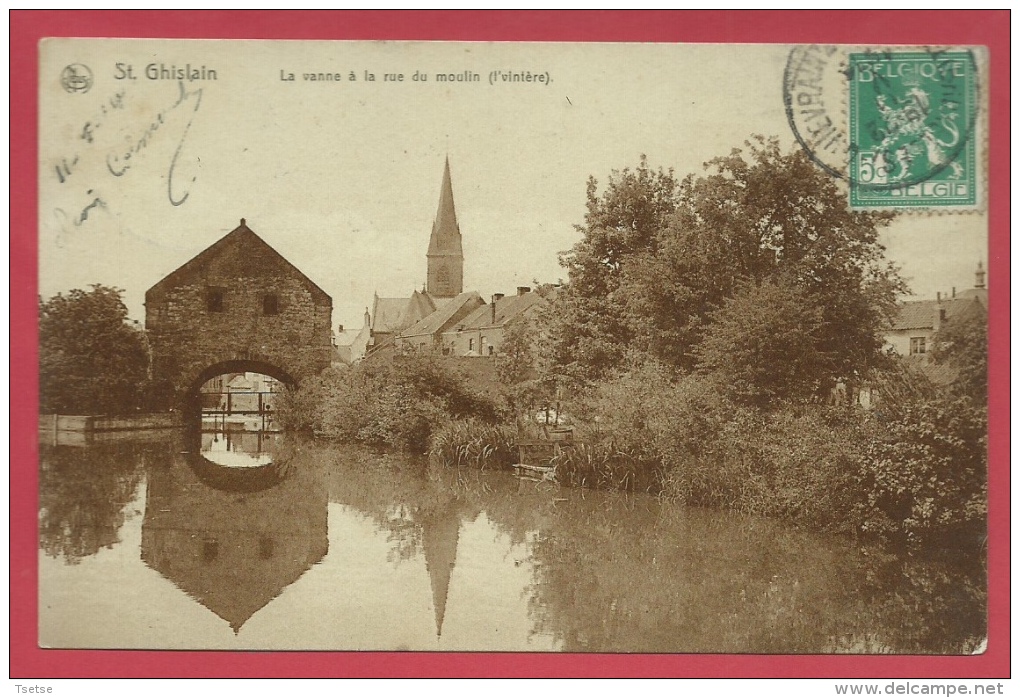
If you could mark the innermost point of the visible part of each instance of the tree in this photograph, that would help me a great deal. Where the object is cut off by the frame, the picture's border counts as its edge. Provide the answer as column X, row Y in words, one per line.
column 593, row 329
column 91, row 360
column 963, row 343
column 659, row 257
column 764, row 345
column 516, row 362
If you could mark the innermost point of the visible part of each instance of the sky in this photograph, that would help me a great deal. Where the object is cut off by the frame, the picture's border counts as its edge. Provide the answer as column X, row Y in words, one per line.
column 342, row 177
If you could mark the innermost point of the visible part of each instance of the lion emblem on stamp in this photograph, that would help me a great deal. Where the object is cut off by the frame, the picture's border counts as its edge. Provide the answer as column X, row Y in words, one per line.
column 912, row 129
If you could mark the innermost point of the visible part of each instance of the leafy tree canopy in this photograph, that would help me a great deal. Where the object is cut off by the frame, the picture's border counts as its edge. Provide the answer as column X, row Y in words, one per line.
column 660, row 255
column 762, row 346
column 963, row 343
column 91, row 359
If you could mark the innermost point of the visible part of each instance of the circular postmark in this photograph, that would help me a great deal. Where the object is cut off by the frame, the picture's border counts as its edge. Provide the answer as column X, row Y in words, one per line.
column 912, row 116
column 812, row 94
column 76, row 78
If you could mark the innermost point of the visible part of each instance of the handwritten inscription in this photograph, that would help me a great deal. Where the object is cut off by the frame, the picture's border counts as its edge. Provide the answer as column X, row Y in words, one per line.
column 120, row 159
column 79, row 218
column 119, row 163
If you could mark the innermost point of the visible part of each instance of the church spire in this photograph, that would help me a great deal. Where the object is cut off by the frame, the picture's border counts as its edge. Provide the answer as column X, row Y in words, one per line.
column 445, row 255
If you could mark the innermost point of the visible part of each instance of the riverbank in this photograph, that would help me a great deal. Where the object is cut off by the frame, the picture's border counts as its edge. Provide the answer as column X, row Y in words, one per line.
column 98, row 423
column 911, row 472
column 80, row 430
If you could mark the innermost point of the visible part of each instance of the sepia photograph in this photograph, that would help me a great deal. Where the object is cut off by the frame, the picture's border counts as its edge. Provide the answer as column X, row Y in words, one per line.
column 513, row 347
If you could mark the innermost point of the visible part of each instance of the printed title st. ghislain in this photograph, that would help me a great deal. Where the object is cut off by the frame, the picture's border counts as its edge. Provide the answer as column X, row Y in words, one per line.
column 165, row 71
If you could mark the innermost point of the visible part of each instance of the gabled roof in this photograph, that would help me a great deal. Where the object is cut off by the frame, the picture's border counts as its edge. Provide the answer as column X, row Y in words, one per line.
column 446, row 315
column 922, row 315
column 386, row 314
column 507, row 309
column 244, row 243
column 418, row 307
column 445, row 238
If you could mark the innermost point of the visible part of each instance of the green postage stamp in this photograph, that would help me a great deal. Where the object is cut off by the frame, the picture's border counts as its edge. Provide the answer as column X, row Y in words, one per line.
column 914, row 126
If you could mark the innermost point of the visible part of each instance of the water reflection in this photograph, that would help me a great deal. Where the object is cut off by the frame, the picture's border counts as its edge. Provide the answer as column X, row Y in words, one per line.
column 83, row 494
column 320, row 547
column 234, row 446
column 231, row 538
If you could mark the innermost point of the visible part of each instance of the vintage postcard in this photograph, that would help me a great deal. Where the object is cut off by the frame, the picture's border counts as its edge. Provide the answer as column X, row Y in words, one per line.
column 513, row 347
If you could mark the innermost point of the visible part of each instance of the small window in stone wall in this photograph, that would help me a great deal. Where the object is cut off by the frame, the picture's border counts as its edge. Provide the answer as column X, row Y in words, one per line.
column 214, row 300
column 270, row 304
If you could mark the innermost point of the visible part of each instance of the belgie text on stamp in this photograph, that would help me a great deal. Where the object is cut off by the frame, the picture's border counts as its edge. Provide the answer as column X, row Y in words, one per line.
column 913, row 124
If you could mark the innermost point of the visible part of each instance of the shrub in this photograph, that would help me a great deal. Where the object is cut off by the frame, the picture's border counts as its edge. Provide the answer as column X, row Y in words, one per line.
column 474, row 443
column 601, row 464
column 794, row 462
column 623, row 411
column 925, row 482
column 396, row 404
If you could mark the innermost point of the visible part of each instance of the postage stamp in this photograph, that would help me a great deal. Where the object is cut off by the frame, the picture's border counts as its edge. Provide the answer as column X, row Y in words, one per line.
column 913, row 129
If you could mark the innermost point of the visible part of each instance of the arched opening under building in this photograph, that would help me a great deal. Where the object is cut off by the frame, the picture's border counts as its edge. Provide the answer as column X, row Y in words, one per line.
column 232, row 414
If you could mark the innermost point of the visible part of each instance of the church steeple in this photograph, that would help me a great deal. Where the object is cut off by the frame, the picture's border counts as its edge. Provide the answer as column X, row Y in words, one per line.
column 445, row 255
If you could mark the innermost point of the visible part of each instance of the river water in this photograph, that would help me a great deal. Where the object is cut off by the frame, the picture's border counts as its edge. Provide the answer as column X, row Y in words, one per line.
column 261, row 541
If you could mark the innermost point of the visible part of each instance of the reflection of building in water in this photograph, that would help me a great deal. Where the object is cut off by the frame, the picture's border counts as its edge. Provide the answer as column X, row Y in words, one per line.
column 233, row 553
column 238, row 447
column 440, row 533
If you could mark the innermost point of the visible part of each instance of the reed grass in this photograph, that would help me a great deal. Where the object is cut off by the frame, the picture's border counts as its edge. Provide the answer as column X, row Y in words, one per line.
column 473, row 443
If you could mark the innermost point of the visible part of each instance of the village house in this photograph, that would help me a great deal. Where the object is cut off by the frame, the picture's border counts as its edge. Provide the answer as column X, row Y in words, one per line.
column 427, row 333
column 352, row 345
column 481, row 333
column 917, row 323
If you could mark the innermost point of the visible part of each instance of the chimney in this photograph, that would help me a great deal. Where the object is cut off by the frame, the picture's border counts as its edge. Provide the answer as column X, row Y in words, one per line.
column 521, row 290
column 979, row 277
column 954, row 291
column 492, row 307
column 938, row 296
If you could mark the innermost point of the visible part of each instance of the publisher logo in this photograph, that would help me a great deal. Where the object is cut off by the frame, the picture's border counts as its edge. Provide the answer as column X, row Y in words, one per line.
column 76, row 78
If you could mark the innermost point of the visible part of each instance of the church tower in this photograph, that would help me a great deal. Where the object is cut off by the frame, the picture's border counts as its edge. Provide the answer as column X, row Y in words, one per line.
column 445, row 256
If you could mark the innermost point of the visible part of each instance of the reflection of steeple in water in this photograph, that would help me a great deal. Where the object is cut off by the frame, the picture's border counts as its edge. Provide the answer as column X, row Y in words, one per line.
column 439, row 537
column 232, row 551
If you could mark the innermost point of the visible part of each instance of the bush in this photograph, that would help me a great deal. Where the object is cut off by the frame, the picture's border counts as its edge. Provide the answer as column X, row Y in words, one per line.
column 914, row 472
column 397, row 404
column 474, row 443
column 926, row 482
column 623, row 411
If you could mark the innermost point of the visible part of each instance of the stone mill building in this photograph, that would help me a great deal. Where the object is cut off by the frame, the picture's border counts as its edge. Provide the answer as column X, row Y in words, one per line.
column 237, row 306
